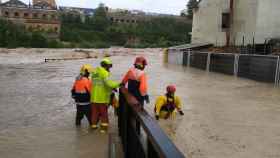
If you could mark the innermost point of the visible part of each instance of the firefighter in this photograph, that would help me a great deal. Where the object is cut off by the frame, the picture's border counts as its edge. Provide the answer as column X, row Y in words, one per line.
column 136, row 80
column 101, row 94
column 167, row 105
column 81, row 93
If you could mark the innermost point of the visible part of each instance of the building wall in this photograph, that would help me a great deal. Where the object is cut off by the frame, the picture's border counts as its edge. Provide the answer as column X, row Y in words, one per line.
column 244, row 21
column 50, row 2
column 207, row 22
column 254, row 21
column 268, row 21
column 43, row 20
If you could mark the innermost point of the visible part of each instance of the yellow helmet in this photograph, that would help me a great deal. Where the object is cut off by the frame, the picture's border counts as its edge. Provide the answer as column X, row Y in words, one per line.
column 106, row 61
column 87, row 67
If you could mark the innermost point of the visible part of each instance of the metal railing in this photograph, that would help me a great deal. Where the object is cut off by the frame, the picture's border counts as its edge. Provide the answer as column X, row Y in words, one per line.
column 264, row 68
column 140, row 134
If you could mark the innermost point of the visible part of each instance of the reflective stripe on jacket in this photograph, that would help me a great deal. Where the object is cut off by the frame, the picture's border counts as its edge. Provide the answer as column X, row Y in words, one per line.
column 103, row 86
column 162, row 101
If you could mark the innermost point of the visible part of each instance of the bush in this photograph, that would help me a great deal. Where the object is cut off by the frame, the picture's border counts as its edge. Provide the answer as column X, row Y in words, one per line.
column 38, row 40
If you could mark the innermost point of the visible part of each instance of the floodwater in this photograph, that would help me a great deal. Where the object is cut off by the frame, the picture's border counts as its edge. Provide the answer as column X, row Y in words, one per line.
column 224, row 116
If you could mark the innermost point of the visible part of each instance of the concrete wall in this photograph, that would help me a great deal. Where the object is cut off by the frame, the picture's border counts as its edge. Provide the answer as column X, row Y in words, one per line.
column 252, row 19
column 207, row 22
column 268, row 22
column 244, row 21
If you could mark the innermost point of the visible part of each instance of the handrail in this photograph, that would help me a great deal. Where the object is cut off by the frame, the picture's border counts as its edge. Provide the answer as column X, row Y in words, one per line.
column 158, row 144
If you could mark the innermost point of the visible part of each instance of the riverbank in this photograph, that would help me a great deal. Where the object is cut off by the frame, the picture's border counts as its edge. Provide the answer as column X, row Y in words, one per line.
column 38, row 55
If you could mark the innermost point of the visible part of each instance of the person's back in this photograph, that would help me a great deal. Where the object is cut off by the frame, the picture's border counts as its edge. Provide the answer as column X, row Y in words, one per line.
column 81, row 93
column 136, row 80
column 82, row 87
column 101, row 94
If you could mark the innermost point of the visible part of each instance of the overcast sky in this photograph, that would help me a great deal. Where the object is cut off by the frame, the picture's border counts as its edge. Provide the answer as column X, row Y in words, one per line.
column 159, row 6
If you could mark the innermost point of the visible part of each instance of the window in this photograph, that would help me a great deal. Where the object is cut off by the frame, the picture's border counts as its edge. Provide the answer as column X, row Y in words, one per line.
column 127, row 21
column 44, row 16
column 225, row 21
column 26, row 15
column 35, row 15
column 122, row 20
column 16, row 14
column 6, row 14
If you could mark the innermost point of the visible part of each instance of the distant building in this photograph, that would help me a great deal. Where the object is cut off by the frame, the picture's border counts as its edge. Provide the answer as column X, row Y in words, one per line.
column 125, row 16
column 236, row 22
column 41, row 16
column 81, row 11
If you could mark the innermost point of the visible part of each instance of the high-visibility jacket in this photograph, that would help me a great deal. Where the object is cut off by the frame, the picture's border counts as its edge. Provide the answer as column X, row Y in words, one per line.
column 81, row 91
column 162, row 106
column 136, row 81
column 102, row 89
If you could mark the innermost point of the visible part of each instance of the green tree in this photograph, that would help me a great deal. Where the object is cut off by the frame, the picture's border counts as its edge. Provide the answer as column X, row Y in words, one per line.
column 192, row 4
column 38, row 40
column 100, row 20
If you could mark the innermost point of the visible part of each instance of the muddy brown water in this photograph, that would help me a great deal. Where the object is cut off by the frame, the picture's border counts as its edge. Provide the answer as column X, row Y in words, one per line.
column 224, row 116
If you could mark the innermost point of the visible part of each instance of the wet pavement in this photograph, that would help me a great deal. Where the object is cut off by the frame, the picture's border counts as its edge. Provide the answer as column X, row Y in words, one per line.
column 224, row 116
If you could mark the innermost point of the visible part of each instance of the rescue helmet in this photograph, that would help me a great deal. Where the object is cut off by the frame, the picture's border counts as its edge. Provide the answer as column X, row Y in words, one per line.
column 171, row 88
column 86, row 67
column 141, row 61
column 106, row 61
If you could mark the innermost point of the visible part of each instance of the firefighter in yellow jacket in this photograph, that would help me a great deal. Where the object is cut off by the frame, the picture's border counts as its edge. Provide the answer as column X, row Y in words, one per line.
column 167, row 105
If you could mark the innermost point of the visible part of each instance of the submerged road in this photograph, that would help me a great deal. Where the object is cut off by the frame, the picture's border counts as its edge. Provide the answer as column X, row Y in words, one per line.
column 224, row 116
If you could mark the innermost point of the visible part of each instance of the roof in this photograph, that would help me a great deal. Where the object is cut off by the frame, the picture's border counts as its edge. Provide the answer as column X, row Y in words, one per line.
column 14, row 3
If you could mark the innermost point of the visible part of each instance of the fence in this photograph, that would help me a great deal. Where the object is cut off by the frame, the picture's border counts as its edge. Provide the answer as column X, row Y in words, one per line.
column 265, row 68
column 151, row 142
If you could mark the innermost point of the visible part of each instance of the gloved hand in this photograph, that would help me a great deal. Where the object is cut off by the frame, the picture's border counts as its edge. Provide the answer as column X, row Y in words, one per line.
column 147, row 99
column 157, row 117
column 181, row 112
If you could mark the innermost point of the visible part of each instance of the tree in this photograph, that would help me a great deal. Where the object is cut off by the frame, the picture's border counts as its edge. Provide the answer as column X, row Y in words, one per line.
column 100, row 20
column 192, row 4
column 38, row 40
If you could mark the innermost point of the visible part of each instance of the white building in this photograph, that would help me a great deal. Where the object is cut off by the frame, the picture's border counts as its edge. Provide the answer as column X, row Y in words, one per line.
column 236, row 22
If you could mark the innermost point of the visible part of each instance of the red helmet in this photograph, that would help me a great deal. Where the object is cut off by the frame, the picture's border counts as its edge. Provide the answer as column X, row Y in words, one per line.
column 141, row 61
column 171, row 88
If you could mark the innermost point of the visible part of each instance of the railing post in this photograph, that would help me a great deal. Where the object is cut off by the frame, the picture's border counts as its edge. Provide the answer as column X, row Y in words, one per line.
column 208, row 62
column 236, row 61
column 151, row 150
column 123, row 122
column 189, row 57
column 277, row 73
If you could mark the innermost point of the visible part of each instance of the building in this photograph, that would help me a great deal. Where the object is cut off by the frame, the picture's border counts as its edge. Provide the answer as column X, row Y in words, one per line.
column 124, row 16
column 41, row 16
column 50, row 3
column 236, row 22
column 76, row 10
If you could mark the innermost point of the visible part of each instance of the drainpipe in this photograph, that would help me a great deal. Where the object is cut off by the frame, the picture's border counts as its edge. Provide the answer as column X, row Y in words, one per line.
column 231, row 11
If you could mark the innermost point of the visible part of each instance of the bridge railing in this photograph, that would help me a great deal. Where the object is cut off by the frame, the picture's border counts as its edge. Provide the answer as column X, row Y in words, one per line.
column 140, row 134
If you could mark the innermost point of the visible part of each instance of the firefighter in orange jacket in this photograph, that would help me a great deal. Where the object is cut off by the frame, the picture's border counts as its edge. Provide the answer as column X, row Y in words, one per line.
column 166, row 105
column 81, row 93
column 136, row 80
